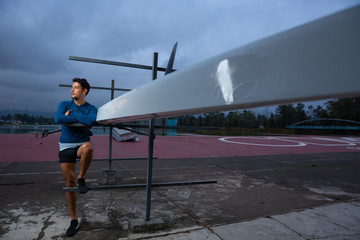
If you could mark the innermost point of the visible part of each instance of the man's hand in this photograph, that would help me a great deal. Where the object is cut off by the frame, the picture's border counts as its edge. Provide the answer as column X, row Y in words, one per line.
column 68, row 112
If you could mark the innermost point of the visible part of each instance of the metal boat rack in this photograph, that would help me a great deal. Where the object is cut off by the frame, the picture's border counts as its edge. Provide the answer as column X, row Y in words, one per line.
column 149, row 184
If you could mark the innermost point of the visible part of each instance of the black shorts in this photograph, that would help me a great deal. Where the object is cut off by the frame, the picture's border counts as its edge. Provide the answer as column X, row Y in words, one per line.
column 68, row 155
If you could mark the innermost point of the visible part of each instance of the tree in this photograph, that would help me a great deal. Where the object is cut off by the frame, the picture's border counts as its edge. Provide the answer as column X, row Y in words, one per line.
column 300, row 114
column 249, row 120
column 346, row 108
column 285, row 115
column 319, row 112
column 233, row 119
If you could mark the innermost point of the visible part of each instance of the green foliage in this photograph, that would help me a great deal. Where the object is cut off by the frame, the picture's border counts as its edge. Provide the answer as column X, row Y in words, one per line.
column 348, row 108
column 288, row 114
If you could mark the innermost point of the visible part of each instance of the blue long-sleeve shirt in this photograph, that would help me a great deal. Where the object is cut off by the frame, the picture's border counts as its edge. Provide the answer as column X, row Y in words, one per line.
column 85, row 114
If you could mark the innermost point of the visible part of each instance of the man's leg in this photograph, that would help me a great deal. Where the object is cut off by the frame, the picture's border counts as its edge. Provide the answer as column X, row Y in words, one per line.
column 69, row 170
column 85, row 153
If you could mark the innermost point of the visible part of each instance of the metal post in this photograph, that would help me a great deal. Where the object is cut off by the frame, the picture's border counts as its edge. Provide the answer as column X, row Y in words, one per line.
column 151, row 148
column 110, row 128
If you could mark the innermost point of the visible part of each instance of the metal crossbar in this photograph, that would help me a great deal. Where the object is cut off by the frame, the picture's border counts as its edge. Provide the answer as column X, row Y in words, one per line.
column 121, row 64
column 117, row 159
column 127, row 186
column 100, row 88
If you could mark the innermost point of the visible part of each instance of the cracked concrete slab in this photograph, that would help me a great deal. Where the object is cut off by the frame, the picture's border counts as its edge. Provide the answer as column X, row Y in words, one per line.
column 23, row 224
column 258, row 229
column 309, row 223
column 317, row 223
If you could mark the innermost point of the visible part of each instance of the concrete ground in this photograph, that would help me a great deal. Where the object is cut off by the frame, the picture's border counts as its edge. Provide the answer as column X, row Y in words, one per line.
column 285, row 196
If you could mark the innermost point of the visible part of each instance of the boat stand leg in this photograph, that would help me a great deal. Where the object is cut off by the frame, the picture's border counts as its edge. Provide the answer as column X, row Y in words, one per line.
column 149, row 171
column 151, row 148
column 109, row 175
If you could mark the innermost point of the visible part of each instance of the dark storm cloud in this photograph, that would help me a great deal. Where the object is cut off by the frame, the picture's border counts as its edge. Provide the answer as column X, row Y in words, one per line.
column 29, row 42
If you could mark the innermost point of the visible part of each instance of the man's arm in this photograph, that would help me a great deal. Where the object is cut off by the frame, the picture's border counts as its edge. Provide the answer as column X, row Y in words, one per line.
column 86, row 119
column 60, row 115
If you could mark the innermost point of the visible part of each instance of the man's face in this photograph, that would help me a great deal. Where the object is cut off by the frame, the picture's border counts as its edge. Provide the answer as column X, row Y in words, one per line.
column 77, row 91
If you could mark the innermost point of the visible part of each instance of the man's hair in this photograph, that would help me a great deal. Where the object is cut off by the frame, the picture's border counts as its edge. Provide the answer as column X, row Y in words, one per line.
column 84, row 84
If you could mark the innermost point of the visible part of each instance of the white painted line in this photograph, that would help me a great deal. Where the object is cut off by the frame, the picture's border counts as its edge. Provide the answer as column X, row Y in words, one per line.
column 300, row 141
column 299, row 144
column 356, row 148
column 345, row 143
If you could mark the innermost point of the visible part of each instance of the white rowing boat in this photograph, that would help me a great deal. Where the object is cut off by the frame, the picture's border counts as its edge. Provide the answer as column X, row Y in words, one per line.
column 318, row 60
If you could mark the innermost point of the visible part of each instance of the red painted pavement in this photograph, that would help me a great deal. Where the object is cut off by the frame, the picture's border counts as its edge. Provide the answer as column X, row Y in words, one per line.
column 26, row 147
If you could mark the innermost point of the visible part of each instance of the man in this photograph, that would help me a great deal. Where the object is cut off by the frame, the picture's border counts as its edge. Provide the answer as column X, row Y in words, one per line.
column 75, row 143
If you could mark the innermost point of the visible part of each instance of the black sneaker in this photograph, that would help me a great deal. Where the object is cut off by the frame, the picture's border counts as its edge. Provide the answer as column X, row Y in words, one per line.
column 74, row 226
column 82, row 188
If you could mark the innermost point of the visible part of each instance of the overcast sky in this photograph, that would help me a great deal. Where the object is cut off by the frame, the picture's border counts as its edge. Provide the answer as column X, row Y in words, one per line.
column 38, row 36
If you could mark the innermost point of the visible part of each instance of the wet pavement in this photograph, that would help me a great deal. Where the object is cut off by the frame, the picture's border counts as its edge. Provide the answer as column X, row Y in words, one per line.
column 275, row 196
